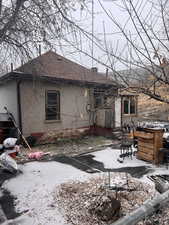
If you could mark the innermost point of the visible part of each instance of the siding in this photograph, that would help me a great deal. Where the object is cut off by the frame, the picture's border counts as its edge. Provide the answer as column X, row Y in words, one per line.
column 8, row 98
column 73, row 107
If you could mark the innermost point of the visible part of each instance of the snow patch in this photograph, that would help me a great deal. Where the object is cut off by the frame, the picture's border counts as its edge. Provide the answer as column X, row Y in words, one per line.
column 34, row 188
column 34, row 191
column 109, row 157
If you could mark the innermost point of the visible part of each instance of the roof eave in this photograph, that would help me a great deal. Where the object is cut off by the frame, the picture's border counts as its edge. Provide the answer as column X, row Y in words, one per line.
column 15, row 75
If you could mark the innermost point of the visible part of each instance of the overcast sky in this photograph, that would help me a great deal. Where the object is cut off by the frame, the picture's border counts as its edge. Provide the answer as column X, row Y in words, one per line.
column 114, row 39
column 102, row 21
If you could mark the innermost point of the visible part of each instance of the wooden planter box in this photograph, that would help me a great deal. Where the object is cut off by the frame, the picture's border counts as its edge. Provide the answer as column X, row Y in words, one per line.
column 149, row 143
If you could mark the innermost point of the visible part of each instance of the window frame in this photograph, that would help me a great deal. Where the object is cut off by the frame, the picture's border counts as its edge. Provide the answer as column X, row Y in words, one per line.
column 129, row 99
column 57, row 105
column 99, row 97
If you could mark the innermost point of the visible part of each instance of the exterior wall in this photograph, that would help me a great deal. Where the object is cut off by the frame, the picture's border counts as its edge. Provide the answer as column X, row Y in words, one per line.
column 105, row 118
column 8, row 98
column 100, row 118
column 73, row 101
column 129, row 119
column 118, row 112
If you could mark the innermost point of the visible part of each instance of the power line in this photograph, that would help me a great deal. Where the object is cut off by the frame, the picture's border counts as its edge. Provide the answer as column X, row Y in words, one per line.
column 92, row 31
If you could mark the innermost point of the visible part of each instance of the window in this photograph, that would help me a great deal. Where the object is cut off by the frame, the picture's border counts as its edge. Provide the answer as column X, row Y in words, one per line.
column 99, row 97
column 98, row 101
column 52, row 105
column 129, row 105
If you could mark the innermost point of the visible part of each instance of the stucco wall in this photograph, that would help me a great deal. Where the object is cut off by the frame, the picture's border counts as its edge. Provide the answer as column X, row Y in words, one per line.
column 105, row 118
column 73, row 101
column 100, row 118
column 8, row 98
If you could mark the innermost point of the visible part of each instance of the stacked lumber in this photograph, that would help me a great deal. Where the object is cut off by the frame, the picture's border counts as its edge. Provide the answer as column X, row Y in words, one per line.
column 149, row 143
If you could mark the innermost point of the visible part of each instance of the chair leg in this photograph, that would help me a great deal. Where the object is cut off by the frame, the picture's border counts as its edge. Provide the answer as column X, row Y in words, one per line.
column 131, row 152
column 121, row 151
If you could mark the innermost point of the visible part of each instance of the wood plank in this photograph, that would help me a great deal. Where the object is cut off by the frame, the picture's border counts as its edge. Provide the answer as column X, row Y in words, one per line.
column 145, row 151
column 147, row 157
column 148, row 141
column 146, row 154
column 153, row 130
column 144, row 135
column 158, row 143
column 146, row 145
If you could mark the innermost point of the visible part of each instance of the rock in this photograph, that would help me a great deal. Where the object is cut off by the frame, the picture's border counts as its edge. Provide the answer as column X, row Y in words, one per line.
column 161, row 186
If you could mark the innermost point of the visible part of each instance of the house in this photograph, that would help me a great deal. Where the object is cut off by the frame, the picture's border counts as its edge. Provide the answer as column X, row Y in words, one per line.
column 129, row 107
column 137, row 107
column 52, row 93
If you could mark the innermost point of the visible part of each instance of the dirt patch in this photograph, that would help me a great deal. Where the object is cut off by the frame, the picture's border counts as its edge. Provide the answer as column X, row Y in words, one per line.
column 88, row 164
column 77, row 146
column 136, row 172
column 75, row 163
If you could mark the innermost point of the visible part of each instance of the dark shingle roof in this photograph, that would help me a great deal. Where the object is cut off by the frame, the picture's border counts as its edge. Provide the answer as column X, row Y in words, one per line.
column 53, row 65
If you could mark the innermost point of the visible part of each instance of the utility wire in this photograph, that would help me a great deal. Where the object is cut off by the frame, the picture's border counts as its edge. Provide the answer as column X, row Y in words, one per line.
column 92, row 31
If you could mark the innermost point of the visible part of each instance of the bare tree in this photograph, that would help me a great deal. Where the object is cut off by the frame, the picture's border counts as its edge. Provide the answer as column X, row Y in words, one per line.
column 146, row 49
column 144, row 36
column 24, row 24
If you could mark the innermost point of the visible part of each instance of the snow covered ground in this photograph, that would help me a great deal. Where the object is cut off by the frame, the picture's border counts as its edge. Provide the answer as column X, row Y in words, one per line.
column 34, row 189
column 109, row 158
column 35, row 186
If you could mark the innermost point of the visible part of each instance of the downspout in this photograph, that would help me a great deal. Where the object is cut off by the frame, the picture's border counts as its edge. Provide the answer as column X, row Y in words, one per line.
column 19, row 105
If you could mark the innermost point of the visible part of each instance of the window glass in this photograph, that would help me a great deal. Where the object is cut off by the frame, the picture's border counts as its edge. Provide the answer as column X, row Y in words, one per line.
column 126, row 106
column 99, row 97
column 132, row 106
column 52, row 98
column 129, row 105
column 97, row 101
column 52, row 105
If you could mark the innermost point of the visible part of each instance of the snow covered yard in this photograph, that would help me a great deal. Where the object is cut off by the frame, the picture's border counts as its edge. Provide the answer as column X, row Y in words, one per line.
column 34, row 188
